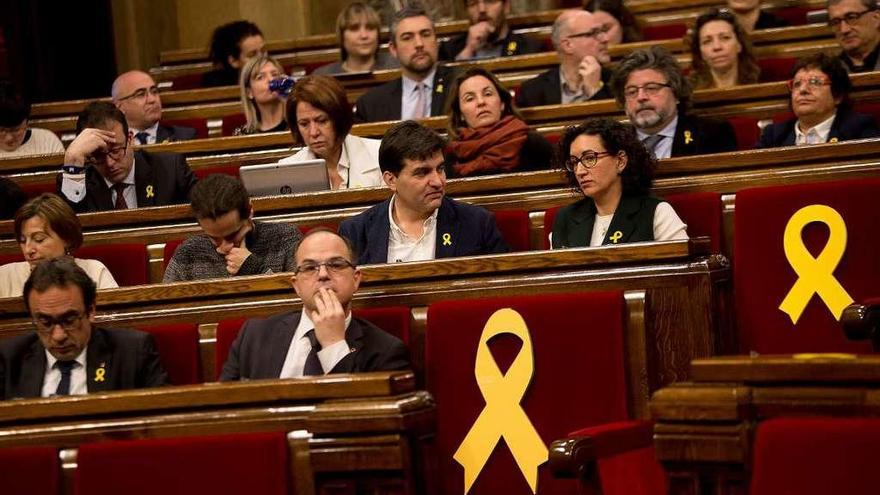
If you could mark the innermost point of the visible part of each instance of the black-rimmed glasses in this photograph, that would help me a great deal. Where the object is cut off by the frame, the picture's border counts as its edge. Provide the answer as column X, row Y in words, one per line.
column 592, row 33
column 650, row 89
column 141, row 93
column 68, row 321
column 588, row 159
column 850, row 19
column 333, row 266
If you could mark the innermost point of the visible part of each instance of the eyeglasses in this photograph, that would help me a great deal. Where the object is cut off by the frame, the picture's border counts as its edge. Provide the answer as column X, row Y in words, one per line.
column 68, row 322
column 333, row 265
column 849, row 19
column 650, row 89
column 141, row 94
column 115, row 153
column 588, row 159
column 813, row 83
column 592, row 33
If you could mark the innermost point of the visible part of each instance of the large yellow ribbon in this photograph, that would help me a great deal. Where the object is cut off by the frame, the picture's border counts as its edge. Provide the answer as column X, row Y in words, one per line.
column 503, row 416
column 815, row 275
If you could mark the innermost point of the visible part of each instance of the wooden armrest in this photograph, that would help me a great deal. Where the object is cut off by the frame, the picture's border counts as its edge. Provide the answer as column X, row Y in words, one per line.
column 860, row 320
column 576, row 456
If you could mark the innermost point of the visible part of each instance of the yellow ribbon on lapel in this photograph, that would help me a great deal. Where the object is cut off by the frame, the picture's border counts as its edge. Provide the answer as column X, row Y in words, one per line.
column 447, row 239
column 99, row 374
column 815, row 275
column 616, row 236
column 688, row 138
column 503, row 416
column 150, row 193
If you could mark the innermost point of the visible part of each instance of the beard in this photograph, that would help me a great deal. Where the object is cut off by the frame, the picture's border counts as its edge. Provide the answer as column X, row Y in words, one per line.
column 647, row 119
column 422, row 65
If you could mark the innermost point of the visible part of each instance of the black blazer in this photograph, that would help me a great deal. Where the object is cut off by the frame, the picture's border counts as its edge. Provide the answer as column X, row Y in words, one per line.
column 159, row 179
column 846, row 125
column 129, row 359
column 468, row 231
column 261, row 347
column 513, row 44
column 634, row 219
column 545, row 89
column 383, row 102
column 699, row 136
column 166, row 133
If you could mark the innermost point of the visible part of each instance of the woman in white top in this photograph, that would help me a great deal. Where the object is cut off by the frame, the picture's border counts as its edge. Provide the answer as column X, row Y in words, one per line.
column 605, row 161
column 16, row 138
column 47, row 228
column 320, row 119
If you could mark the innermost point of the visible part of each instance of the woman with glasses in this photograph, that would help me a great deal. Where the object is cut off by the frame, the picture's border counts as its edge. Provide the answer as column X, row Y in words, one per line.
column 622, row 25
column 263, row 108
column 47, row 228
column 606, row 163
column 357, row 28
column 750, row 16
column 820, row 102
column 721, row 52
column 487, row 131
column 16, row 137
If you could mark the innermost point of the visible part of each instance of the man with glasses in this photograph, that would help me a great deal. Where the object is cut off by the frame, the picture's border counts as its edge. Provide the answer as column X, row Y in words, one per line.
column 489, row 34
column 820, row 102
column 103, row 172
column 137, row 95
column 65, row 354
column 232, row 243
column 654, row 93
column 856, row 25
column 322, row 338
column 581, row 41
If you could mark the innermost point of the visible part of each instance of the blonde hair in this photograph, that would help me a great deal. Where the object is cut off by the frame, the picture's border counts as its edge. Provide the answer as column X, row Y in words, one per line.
column 251, row 111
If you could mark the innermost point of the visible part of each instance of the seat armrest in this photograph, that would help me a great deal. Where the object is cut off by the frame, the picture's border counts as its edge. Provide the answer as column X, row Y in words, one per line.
column 860, row 321
column 576, row 455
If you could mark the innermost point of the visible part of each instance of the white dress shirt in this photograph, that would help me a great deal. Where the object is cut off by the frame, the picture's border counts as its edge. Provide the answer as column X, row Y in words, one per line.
column 815, row 135
column 664, row 147
column 151, row 133
column 409, row 96
column 402, row 247
column 53, row 376
column 300, row 347
column 74, row 187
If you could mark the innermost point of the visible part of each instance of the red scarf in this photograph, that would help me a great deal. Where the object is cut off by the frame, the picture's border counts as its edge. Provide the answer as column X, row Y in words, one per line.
column 489, row 149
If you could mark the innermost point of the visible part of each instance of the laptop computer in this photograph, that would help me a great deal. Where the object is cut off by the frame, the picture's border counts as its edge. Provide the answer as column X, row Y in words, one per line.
column 285, row 178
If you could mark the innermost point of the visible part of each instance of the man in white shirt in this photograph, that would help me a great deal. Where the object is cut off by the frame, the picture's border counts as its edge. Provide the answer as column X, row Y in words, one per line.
column 66, row 355
column 323, row 337
column 137, row 95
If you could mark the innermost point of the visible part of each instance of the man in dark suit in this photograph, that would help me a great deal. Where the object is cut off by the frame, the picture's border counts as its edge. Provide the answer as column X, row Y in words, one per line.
column 581, row 41
column 489, row 34
column 651, row 88
column 137, row 95
column 118, row 177
column 819, row 100
column 856, row 26
column 419, row 222
column 324, row 337
column 66, row 355
column 421, row 90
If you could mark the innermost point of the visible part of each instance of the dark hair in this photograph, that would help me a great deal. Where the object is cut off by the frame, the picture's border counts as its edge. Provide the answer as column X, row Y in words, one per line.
column 628, row 23
column 656, row 58
column 217, row 195
column 318, row 230
column 410, row 9
column 868, row 4
column 833, row 68
column 226, row 41
column 11, row 198
column 324, row 93
column 59, row 272
column 13, row 107
column 57, row 214
column 747, row 70
column 351, row 14
column 407, row 140
column 100, row 114
column 638, row 174
column 453, row 105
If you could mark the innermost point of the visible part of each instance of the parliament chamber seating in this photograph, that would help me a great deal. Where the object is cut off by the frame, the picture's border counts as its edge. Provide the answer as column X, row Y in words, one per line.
column 178, row 346
column 30, row 470
column 127, row 262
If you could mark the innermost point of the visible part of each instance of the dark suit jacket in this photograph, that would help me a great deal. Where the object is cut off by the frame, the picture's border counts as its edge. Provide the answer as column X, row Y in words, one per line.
column 513, row 44
column 261, row 347
column 471, row 231
column 545, row 89
column 159, row 179
column 129, row 358
column 383, row 102
column 166, row 133
column 847, row 125
column 699, row 136
column 634, row 219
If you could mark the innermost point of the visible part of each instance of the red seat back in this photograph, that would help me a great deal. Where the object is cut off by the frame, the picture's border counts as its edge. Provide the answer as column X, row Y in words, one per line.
column 33, row 190
column 763, row 275
column 128, row 263
column 178, row 346
column 747, row 131
column 664, row 32
column 776, row 68
column 170, row 248
column 199, row 124
column 31, row 470
column 232, row 170
column 219, row 465
column 231, row 122
column 10, row 258
column 188, row 81
column 869, row 108
column 514, row 228
column 796, row 16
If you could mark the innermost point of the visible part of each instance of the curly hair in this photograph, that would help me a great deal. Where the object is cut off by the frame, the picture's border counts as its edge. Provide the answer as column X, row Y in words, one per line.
column 747, row 71
column 832, row 67
column 638, row 174
column 656, row 58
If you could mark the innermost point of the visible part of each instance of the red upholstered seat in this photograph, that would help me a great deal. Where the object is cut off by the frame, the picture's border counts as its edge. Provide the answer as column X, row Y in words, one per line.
column 514, row 227
column 188, row 81
column 35, row 189
column 199, row 124
column 816, row 456
column 232, row 170
column 10, row 258
column 763, row 276
column 796, row 16
column 231, row 122
column 578, row 379
column 776, row 68
column 747, row 131
column 869, row 108
column 127, row 262
column 170, row 248
column 30, row 470
column 219, row 465
column 178, row 346
column 664, row 32
column 227, row 331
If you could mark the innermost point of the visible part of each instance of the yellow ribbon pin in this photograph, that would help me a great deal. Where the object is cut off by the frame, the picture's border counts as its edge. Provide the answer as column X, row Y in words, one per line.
column 503, row 417
column 447, row 240
column 99, row 373
column 832, row 140
column 511, row 48
column 150, row 191
column 815, row 275
column 440, row 88
column 616, row 236
column 688, row 139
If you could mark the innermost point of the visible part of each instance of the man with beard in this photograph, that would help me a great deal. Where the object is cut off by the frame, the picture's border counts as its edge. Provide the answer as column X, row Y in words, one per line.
column 489, row 34
column 651, row 88
column 420, row 92
column 137, row 95
column 856, row 25
column 581, row 41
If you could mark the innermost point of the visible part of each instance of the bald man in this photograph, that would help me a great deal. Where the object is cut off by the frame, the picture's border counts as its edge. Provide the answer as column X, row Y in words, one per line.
column 137, row 95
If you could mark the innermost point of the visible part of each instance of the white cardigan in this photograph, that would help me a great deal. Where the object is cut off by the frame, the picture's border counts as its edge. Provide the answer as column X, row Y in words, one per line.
column 358, row 162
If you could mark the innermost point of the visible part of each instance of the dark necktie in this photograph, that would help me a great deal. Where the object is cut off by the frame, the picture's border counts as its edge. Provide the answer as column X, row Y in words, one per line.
column 313, row 364
column 651, row 143
column 142, row 137
column 64, row 385
column 120, row 197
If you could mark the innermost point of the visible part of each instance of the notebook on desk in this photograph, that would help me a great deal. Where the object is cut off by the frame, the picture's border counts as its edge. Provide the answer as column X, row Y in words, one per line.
column 285, row 178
